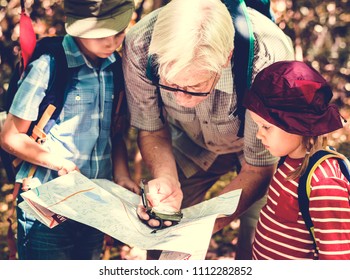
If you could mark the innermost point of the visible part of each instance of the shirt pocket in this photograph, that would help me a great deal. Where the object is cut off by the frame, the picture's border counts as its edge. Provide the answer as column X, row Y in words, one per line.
column 224, row 117
column 79, row 110
column 185, row 120
column 180, row 115
column 225, row 130
column 228, row 127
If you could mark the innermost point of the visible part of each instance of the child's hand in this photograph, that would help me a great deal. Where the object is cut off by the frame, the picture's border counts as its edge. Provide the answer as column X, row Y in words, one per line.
column 66, row 167
column 127, row 183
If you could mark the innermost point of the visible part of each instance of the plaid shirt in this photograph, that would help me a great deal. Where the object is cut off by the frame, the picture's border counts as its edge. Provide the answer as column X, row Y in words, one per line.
column 82, row 132
column 210, row 129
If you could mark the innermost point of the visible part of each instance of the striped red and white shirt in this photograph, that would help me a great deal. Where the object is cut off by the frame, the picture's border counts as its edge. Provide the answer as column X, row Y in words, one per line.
column 281, row 232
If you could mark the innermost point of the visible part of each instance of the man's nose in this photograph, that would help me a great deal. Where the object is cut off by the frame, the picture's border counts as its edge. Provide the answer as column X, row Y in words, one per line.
column 180, row 94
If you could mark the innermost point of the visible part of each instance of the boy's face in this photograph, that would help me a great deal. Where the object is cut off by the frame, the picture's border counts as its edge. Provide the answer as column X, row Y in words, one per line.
column 277, row 141
column 100, row 47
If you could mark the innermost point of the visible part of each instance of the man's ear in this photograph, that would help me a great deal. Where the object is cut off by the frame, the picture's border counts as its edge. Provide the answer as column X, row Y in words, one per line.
column 228, row 59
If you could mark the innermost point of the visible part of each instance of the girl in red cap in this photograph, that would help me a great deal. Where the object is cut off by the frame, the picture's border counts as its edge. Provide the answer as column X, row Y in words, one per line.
column 289, row 101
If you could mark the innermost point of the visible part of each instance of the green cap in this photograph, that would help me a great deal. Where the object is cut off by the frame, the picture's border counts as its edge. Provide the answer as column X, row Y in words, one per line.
column 97, row 18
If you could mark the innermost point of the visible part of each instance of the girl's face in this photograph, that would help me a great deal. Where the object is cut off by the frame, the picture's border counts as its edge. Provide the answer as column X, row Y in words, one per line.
column 95, row 49
column 277, row 141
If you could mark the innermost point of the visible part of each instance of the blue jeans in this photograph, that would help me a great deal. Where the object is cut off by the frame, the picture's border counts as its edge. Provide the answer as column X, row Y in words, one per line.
column 68, row 241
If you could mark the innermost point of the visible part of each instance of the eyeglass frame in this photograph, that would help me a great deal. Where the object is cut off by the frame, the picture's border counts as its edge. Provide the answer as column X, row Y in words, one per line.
column 172, row 89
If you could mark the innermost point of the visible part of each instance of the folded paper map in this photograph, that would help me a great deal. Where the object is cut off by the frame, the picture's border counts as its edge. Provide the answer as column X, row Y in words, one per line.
column 111, row 208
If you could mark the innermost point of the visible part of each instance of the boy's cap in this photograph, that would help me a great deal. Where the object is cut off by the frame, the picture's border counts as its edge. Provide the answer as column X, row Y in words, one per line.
column 97, row 18
column 294, row 97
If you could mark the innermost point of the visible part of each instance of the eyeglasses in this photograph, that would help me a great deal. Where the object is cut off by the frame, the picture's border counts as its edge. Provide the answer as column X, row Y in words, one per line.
column 173, row 89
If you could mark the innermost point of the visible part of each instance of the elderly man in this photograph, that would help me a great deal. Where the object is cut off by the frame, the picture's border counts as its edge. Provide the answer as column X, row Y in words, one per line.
column 187, row 119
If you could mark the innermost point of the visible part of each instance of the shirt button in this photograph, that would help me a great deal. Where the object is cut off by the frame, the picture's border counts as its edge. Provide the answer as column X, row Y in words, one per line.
column 77, row 98
column 205, row 122
column 210, row 143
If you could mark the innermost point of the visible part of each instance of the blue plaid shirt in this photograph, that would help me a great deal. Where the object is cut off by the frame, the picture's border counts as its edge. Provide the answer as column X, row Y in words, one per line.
column 82, row 131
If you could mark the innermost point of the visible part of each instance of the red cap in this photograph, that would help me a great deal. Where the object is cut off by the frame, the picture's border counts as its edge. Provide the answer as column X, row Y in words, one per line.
column 294, row 97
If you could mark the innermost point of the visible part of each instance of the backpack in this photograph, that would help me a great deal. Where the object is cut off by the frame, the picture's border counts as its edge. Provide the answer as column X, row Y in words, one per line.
column 59, row 74
column 54, row 96
column 242, row 61
column 304, row 187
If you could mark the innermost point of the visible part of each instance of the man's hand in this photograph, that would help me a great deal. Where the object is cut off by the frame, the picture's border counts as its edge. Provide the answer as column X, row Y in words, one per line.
column 165, row 194
column 254, row 181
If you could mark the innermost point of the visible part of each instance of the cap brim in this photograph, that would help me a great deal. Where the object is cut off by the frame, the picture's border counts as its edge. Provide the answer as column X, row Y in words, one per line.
column 94, row 28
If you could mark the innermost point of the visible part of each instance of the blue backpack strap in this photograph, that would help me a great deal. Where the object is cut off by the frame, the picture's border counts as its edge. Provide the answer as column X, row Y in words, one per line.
column 242, row 59
column 304, row 187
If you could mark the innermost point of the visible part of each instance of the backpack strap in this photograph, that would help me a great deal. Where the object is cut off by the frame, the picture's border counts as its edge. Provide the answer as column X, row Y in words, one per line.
column 152, row 75
column 242, row 60
column 304, row 187
column 281, row 161
column 244, row 41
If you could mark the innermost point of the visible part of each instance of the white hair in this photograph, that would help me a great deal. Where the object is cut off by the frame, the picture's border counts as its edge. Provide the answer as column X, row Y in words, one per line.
column 197, row 33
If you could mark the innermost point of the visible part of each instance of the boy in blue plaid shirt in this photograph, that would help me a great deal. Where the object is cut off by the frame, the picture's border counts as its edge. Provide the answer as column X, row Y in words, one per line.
column 81, row 137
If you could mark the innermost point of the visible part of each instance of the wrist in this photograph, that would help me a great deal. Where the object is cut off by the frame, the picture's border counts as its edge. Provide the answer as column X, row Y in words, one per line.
column 170, row 180
column 52, row 164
